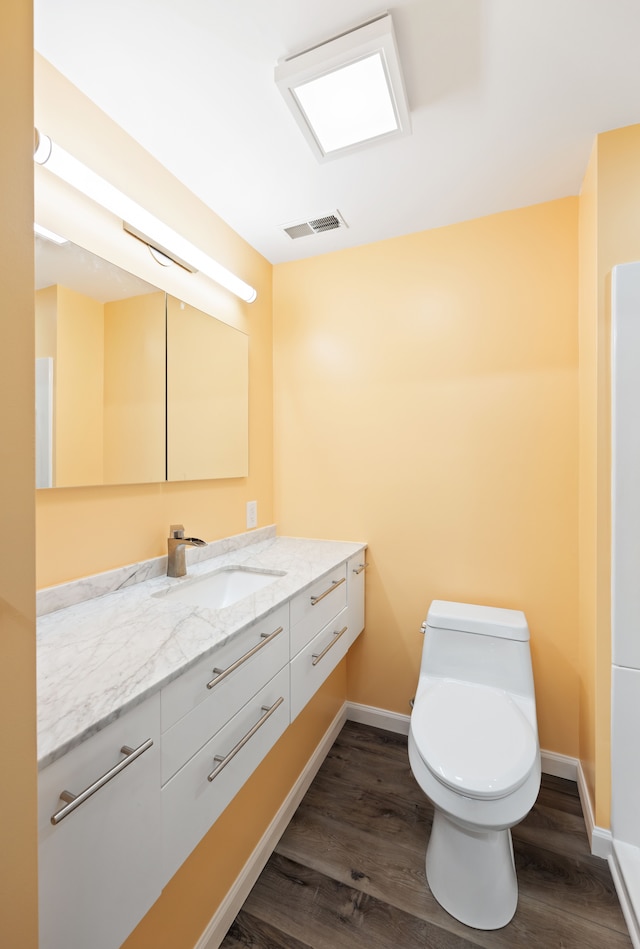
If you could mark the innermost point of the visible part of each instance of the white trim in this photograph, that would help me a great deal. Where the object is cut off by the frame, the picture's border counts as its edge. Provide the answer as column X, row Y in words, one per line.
column 626, row 904
column 600, row 840
column 561, row 766
column 232, row 903
column 378, row 717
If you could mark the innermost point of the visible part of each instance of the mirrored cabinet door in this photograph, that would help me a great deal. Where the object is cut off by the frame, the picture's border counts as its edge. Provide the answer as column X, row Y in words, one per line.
column 207, row 396
column 100, row 371
column 132, row 386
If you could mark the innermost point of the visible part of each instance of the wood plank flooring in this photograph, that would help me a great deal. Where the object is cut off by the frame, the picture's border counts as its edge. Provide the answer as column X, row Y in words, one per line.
column 349, row 873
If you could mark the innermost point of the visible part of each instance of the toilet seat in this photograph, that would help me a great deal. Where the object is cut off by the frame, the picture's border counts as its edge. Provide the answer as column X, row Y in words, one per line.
column 474, row 739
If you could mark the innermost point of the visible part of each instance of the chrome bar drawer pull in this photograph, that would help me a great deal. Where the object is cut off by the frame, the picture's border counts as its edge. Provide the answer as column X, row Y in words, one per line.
column 334, row 586
column 75, row 800
column 360, row 568
column 336, row 636
column 224, row 761
column 223, row 673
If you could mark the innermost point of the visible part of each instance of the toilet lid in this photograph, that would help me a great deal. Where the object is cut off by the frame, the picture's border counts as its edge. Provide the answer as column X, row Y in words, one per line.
column 473, row 738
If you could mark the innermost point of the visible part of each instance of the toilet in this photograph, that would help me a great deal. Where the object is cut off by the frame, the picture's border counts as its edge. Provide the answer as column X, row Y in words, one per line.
column 474, row 751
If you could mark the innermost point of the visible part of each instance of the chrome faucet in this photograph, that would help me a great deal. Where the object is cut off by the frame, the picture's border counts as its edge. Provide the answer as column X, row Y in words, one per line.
column 176, row 563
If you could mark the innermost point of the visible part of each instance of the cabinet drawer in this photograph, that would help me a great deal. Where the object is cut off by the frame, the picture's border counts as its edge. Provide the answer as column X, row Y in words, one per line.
column 190, row 802
column 318, row 659
column 316, row 606
column 228, row 693
column 197, row 704
column 99, row 867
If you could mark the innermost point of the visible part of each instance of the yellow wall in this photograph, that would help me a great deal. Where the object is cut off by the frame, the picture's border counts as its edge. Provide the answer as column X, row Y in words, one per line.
column 18, row 872
column 426, row 402
column 610, row 235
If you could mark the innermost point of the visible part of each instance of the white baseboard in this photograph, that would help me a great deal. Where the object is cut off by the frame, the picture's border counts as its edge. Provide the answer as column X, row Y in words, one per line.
column 600, row 839
column 378, row 717
column 626, row 884
column 232, row 904
column 561, row 766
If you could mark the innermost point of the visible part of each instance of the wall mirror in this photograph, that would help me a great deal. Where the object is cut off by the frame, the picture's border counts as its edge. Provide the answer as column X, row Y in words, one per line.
column 207, row 396
column 132, row 386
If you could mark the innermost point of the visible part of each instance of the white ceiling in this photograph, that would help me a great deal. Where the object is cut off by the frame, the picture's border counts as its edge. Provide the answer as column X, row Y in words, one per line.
column 505, row 97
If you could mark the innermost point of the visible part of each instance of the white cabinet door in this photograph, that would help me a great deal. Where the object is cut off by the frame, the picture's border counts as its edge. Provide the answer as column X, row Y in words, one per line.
column 245, row 664
column 319, row 603
column 99, row 867
column 195, row 797
column 317, row 660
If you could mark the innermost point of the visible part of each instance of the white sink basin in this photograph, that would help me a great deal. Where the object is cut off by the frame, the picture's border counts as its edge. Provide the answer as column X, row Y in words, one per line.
column 221, row 587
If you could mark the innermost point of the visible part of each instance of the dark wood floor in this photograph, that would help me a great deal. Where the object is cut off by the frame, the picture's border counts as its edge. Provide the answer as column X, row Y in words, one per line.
column 348, row 872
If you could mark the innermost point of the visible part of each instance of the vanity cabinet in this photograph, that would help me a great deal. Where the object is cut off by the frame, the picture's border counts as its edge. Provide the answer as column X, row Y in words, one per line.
column 194, row 798
column 157, row 778
column 99, row 864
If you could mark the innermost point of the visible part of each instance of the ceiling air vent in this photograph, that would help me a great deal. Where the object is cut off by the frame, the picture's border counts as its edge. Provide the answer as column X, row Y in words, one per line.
column 317, row 225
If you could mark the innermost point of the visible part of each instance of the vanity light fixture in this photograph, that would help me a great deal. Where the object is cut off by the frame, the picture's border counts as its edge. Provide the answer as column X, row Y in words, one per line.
column 139, row 222
column 49, row 235
column 348, row 92
column 162, row 255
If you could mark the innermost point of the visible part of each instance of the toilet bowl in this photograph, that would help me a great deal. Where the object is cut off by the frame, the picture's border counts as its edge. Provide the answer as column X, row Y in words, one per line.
column 473, row 749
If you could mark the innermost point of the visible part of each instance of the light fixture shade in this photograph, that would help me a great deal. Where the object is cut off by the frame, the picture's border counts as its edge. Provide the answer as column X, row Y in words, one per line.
column 159, row 235
column 349, row 92
column 49, row 235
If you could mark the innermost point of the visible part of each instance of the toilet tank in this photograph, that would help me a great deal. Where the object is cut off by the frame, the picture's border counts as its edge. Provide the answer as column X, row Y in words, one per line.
column 482, row 644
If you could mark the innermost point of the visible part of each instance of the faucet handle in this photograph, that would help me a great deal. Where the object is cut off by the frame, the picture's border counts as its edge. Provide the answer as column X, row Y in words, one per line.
column 176, row 531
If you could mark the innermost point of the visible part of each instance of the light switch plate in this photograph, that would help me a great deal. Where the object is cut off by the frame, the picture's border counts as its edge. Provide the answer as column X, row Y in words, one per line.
column 252, row 514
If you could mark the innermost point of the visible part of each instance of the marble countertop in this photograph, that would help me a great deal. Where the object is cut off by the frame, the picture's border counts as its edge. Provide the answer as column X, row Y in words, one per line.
column 101, row 656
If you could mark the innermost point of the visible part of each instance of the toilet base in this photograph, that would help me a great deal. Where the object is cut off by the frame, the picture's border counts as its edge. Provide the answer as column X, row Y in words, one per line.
column 472, row 873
